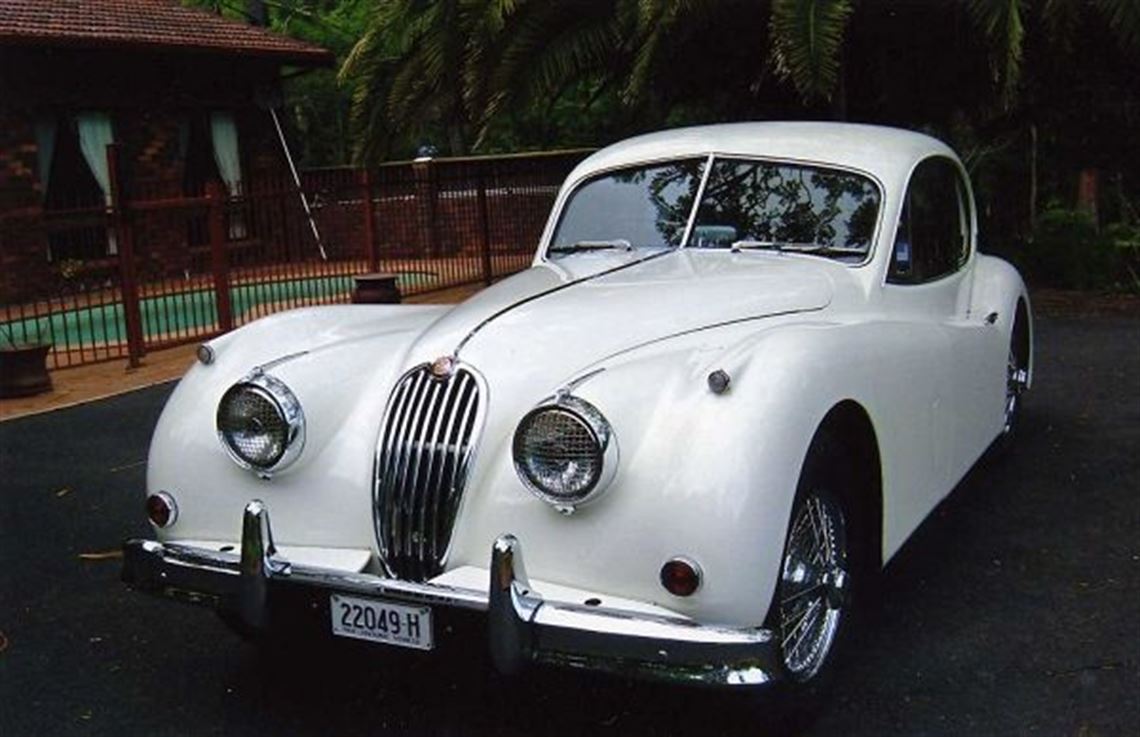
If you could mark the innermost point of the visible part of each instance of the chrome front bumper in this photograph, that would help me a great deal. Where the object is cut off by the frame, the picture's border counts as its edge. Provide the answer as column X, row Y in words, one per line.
column 522, row 627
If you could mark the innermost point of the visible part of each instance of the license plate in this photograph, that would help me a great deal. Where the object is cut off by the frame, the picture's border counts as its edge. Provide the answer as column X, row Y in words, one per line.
column 381, row 621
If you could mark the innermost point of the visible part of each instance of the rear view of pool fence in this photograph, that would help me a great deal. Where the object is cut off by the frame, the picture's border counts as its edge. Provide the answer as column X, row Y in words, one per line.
column 151, row 268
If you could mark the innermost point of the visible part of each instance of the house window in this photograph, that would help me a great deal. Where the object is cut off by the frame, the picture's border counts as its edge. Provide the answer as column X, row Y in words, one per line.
column 212, row 154
column 76, row 178
column 199, row 166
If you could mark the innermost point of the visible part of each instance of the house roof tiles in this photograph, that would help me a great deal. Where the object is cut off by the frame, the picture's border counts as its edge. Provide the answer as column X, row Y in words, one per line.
column 145, row 24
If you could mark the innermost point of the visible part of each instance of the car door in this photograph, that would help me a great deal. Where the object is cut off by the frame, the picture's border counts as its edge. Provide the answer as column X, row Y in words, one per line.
column 927, row 294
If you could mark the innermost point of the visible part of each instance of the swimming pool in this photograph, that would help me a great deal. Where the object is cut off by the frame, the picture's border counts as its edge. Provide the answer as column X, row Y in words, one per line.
column 189, row 312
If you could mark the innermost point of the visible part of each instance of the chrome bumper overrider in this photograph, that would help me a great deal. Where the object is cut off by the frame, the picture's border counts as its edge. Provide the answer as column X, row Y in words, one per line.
column 522, row 627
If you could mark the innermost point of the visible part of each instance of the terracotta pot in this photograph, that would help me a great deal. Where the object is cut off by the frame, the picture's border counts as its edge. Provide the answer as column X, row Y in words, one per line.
column 23, row 370
column 376, row 289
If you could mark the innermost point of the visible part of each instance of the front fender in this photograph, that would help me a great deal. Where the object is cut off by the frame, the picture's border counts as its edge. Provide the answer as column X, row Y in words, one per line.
column 711, row 477
column 340, row 363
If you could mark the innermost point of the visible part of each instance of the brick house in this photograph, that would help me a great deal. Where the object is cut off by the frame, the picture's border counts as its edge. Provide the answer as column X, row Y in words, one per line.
column 183, row 93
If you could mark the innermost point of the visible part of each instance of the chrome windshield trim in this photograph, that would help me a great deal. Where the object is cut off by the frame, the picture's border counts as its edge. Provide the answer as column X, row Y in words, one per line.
column 697, row 202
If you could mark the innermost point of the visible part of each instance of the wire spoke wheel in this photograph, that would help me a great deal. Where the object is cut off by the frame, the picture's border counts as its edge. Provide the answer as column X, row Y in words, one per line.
column 812, row 593
column 1016, row 378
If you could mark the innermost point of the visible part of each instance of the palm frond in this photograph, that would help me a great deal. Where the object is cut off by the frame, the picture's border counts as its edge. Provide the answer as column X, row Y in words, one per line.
column 1000, row 22
column 1123, row 18
column 807, row 41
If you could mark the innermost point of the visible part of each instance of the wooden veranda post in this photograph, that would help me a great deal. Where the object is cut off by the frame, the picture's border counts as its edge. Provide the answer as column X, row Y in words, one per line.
column 219, row 263
column 373, row 248
column 121, row 231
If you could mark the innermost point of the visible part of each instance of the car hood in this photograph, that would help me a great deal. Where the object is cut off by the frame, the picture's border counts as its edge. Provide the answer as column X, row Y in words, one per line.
column 563, row 318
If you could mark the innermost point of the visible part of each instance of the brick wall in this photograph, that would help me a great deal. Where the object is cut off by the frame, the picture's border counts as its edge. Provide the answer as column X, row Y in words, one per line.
column 149, row 96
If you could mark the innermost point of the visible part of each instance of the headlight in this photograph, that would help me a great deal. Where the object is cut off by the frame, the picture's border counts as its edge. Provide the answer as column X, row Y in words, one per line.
column 260, row 424
column 565, row 452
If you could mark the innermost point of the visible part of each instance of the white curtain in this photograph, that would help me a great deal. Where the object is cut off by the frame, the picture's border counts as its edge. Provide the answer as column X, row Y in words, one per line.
column 45, row 150
column 95, row 135
column 223, row 132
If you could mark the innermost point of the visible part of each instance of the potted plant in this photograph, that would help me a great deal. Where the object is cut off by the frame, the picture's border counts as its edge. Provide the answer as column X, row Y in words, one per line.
column 23, row 366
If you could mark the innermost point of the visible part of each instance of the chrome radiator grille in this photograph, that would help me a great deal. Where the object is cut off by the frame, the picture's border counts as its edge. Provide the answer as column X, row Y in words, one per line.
column 429, row 434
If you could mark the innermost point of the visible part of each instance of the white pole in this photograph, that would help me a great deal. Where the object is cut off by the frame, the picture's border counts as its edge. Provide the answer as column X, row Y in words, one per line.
column 297, row 179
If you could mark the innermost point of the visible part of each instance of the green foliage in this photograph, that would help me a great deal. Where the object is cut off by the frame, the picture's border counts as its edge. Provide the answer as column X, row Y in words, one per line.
column 807, row 41
column 1125, row 241
column 1068, row 252
column 1000, row 22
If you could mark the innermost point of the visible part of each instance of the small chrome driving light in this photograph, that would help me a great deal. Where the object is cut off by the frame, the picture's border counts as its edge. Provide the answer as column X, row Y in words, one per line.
column 260, row 424
column 565, row 452
column 161, row 510
column 681, row 576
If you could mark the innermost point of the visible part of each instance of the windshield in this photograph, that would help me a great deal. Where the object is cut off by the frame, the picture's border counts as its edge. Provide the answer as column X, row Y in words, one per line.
column 745, row 204
column 763, row 204
column 640, row 207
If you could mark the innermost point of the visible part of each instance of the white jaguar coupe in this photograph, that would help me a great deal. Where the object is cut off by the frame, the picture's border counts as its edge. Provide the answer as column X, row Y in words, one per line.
column 746, row 362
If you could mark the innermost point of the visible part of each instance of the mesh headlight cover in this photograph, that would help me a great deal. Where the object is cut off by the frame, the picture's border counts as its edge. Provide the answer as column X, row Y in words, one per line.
column 560, row 451
column 259, row 422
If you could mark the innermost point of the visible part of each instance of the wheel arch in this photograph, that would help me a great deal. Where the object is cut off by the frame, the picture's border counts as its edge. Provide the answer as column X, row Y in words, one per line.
column 849, row 425
column 1023, row 341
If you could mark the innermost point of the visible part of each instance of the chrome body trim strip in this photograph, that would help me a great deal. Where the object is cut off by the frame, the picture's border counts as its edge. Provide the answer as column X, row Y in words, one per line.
column 522, row 627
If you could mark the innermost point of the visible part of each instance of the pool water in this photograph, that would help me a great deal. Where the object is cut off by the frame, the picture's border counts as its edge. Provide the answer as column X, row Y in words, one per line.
column 184, row 312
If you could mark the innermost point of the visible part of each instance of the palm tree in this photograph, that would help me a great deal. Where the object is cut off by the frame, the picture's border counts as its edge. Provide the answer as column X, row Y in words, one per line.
column 461, row 65
column 407, row 73
column 1003, row 25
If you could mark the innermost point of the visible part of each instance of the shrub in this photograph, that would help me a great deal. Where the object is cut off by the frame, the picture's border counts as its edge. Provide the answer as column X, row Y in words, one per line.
column 1068, row 252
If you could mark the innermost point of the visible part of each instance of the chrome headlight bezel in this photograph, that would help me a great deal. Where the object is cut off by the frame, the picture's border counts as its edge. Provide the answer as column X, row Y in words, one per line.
column 288, row 408
column 606, row 451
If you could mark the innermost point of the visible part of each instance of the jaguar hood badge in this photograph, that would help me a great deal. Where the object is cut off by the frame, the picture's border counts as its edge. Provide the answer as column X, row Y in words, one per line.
column 443, row 367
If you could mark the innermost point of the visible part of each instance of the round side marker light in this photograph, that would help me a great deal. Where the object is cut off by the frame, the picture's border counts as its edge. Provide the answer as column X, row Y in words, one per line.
column 206, row 354
column 681, row 576
column 161, row 510
column 719, row 381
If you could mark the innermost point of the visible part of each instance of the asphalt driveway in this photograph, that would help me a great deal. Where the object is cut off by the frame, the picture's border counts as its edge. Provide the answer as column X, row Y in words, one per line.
column 1014, row 610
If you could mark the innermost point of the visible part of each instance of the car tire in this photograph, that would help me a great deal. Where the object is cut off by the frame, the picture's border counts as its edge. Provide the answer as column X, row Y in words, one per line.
column 1016, row 375
column 824, row 571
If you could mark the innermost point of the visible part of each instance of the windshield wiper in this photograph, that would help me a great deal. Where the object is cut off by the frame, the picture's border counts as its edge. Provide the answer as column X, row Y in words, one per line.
column 750, row 245
column 812, row 248
column 621, row 243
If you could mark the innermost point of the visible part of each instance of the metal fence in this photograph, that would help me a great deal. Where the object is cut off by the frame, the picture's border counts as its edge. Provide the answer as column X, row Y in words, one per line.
column 155, row 268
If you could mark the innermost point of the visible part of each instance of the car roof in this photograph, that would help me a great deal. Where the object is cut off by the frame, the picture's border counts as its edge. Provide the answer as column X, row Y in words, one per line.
column 887, row 153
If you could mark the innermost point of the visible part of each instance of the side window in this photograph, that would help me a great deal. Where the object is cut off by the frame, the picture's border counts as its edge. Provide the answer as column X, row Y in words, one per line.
column 933, row 237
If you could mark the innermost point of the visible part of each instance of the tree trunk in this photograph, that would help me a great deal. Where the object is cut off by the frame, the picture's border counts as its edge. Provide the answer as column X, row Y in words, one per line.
column 1032, row 177
column 455, row 139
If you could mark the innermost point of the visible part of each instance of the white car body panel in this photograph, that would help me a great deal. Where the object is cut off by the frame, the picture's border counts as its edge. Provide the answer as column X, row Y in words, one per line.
column 708, row 476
